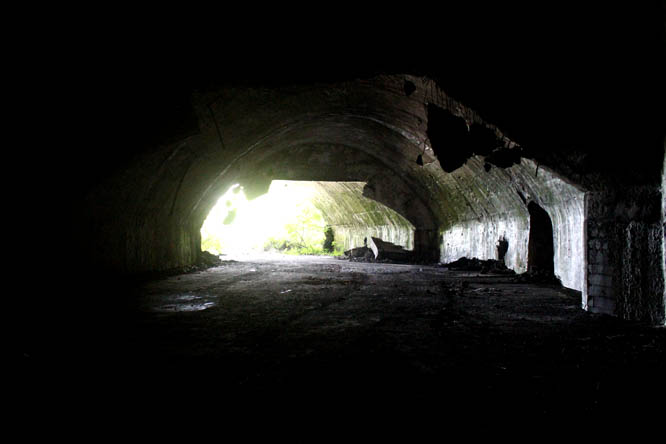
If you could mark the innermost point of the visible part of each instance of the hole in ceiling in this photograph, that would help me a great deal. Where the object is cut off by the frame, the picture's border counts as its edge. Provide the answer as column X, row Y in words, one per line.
column 409, row 88
column 449, row 138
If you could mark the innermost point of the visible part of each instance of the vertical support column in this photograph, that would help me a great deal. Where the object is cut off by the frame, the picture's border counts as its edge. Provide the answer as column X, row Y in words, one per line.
column 663, row 230
column 625, row 271
column 586, row 299
column 598, row 294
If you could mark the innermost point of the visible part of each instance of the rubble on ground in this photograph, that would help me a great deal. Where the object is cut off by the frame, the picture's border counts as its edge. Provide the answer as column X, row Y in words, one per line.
column 378, row 250
column 208, row 259
column 538, row 277
column 487, row 266
column 359, row 253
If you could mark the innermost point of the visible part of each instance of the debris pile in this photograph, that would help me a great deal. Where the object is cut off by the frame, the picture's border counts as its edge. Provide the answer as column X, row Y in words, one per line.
column 362, row 253
column 538, row 277
column 388, row 250
column 377, row 250
column 488, row 266
column 208, row 259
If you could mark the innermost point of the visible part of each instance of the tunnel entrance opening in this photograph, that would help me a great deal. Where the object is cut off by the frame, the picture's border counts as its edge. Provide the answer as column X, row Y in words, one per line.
column 302, row 218
column 540, row 252
column 285, row 220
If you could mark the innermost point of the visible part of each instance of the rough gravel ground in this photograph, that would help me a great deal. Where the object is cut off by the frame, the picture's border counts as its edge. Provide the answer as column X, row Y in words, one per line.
column 323, row 332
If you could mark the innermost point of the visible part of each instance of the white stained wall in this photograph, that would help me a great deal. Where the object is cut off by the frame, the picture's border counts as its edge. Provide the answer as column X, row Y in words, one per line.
column 564, row 203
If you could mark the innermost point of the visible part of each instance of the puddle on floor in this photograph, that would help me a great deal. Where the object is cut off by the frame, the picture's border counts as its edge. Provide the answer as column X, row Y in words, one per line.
column 184, row 303
column 184, row 307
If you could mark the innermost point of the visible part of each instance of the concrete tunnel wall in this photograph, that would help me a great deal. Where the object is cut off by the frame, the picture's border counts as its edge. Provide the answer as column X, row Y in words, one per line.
column 663, row 225
column 376, row 131
column 354, row 217
column 501, row 212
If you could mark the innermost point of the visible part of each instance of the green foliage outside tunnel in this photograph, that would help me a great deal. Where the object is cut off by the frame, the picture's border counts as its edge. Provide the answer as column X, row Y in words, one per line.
column 284, row 220
column 307, row 235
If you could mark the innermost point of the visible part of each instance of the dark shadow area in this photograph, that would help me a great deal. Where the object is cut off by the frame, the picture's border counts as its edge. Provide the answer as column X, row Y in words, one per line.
column 317, row 332
column 483, row 140
column 502, row 247
column 449, row 138
column 540, row 250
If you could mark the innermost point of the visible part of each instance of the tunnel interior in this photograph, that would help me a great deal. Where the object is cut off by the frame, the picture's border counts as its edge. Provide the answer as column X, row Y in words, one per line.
column 518, row 145
column 467, row 189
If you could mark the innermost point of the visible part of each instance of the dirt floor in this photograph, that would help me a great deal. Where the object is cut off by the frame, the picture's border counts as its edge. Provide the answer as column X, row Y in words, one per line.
column 373, row 335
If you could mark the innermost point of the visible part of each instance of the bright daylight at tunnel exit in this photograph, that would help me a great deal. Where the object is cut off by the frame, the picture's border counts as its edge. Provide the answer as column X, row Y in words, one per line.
column 283, row 220
column 305, row 218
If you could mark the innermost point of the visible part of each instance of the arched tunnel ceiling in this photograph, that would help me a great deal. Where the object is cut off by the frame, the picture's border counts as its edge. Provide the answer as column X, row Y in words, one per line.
column 339, row 163
column 371, row 130
column 553, row 78
column 401, row 134
column 339, row 200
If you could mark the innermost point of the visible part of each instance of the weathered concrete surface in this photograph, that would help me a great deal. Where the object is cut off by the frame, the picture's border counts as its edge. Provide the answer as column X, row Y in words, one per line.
column 663, row 224
column 625, row 247
column 497, row 208
column 355, row 218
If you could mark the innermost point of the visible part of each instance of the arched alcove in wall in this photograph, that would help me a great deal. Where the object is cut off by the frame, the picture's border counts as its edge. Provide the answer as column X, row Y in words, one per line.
column 540, row 247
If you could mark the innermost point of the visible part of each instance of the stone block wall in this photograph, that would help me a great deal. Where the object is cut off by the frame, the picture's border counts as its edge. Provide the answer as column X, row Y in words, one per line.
column 625, row 238
column 598, row 292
